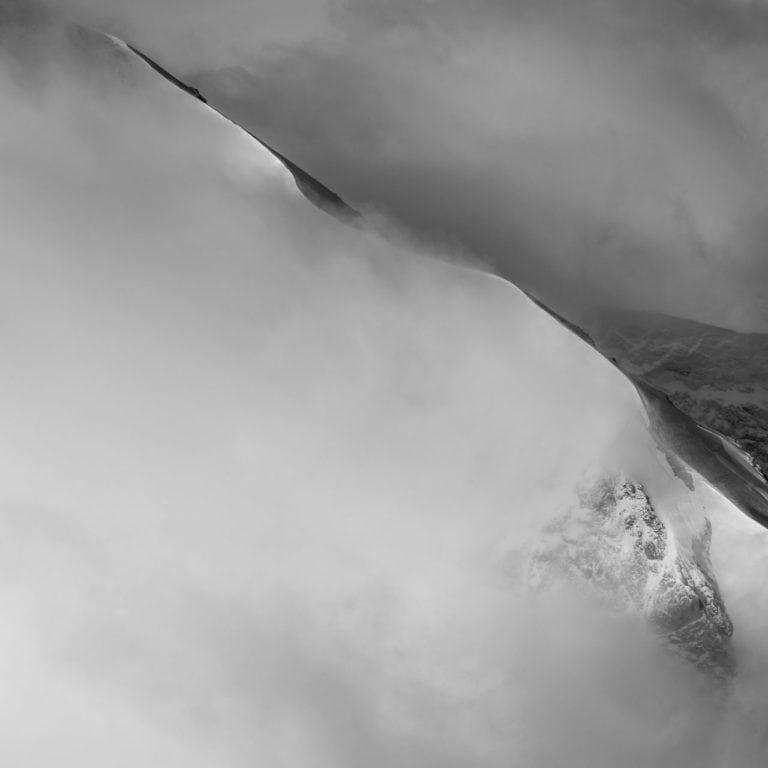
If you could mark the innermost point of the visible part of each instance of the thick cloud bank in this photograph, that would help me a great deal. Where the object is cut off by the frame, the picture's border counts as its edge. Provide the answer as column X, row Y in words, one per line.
column 266, row 481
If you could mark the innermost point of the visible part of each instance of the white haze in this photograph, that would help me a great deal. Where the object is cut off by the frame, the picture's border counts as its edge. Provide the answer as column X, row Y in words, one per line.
column 265, row 479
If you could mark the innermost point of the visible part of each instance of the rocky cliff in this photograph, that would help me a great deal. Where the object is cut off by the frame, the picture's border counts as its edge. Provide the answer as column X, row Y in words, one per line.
column 613, row 545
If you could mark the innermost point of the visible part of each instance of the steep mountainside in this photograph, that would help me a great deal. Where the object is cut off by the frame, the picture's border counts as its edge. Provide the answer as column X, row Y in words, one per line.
column 721, row 464
column 716, row 376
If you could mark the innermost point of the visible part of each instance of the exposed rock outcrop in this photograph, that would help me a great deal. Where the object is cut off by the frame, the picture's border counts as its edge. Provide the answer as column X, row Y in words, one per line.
column 615, row 545
column 716, row 376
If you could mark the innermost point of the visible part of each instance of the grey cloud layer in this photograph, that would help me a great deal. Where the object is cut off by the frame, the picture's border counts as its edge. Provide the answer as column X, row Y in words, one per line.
column 596, row 153
column 189, row 32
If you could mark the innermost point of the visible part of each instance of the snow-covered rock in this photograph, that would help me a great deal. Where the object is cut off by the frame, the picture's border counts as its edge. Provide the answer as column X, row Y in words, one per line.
column 613, row 545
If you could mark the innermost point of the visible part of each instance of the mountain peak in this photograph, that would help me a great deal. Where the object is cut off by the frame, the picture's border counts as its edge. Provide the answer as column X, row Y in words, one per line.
column 614, row 546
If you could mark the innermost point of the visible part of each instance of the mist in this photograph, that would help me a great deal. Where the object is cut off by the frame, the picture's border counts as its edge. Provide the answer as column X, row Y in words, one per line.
column 268, row 482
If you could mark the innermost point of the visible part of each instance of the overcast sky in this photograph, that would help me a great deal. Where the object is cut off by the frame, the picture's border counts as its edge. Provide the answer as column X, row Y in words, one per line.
column 597, row 152
column 266, row 482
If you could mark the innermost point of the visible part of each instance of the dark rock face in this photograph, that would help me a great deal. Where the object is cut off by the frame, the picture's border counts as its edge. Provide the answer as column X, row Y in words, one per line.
column 716, row 376
column 616, row 547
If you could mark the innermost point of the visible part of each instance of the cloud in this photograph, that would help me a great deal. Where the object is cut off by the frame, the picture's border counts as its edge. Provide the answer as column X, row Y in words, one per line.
column 597, row 153
column 191, row 32
column 264, row 476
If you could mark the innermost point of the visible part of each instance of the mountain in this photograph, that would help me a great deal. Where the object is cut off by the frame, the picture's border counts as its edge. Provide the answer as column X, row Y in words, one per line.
column 261, row 468
column 712, row 420
column 617, row 547
column 624, row 550
column 676, row 427
column 680, row 436
column 716, row 376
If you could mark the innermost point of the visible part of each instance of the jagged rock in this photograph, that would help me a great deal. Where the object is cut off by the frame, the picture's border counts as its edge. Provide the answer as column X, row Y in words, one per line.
column 614, row 545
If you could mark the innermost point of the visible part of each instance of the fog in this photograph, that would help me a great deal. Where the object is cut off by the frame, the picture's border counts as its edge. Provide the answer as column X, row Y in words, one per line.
column 267, row 483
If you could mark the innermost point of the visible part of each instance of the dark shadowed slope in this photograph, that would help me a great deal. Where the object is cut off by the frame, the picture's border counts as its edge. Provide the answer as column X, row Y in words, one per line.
column 709, row 451
column 615, row 546
column 717, row 376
